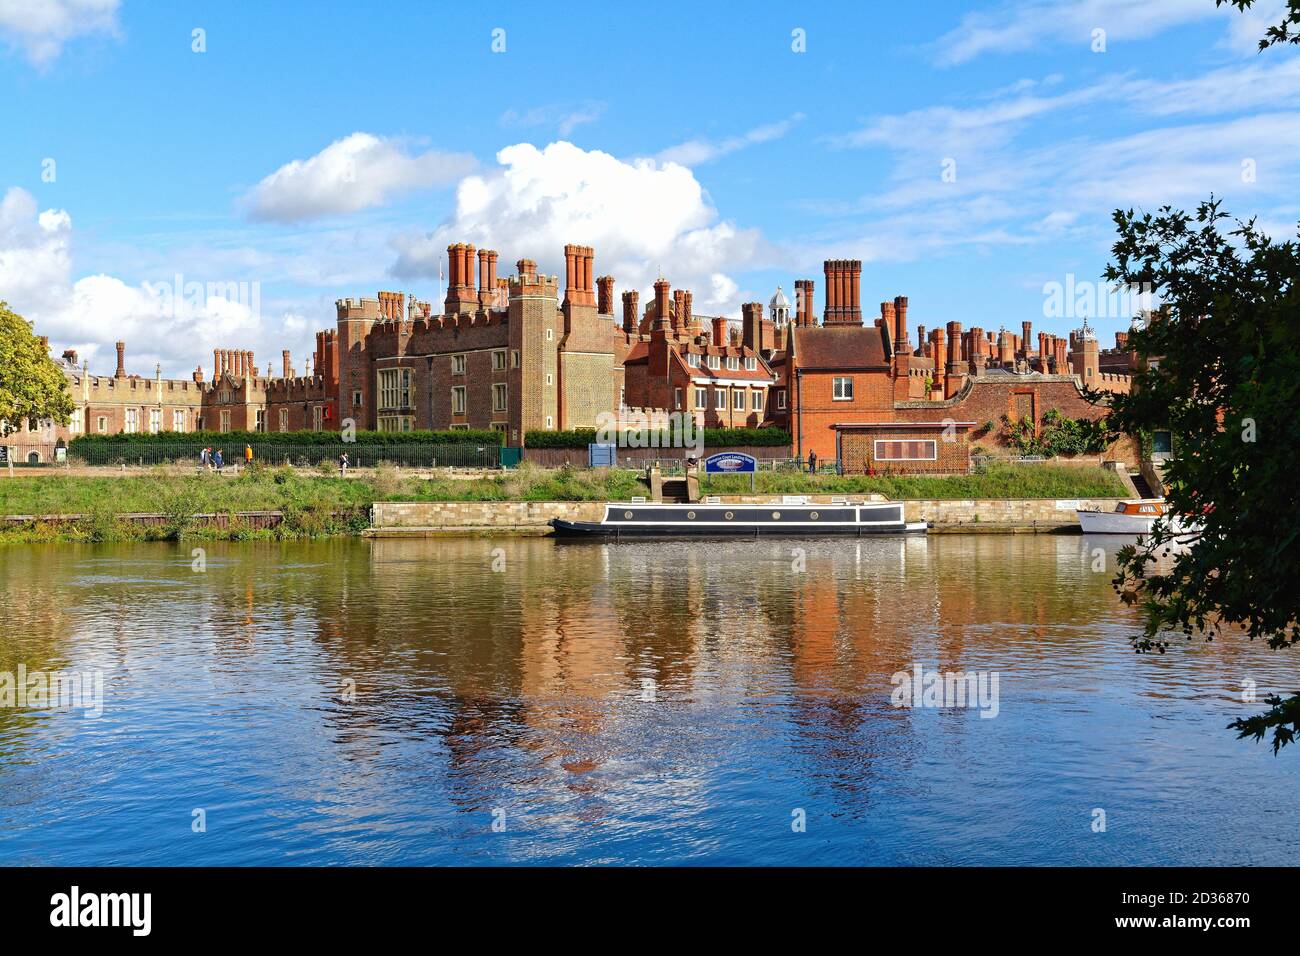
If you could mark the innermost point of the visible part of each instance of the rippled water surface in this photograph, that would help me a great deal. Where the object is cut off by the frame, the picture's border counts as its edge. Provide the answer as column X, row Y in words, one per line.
column 623, row 703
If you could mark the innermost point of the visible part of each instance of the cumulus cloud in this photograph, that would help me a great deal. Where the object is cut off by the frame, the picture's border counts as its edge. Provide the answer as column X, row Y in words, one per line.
column 163, row 322
column 40, row 28
column 351, row 174
column 640, row 215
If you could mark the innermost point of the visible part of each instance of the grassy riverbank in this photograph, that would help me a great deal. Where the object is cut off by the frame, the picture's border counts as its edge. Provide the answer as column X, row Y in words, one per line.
column 318, row 505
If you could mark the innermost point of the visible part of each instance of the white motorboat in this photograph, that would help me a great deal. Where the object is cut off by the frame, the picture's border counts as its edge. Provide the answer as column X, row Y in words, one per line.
column 1129, row 517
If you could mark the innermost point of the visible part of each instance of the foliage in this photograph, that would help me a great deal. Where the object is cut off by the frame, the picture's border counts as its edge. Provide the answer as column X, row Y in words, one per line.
column 713, row 438
column 87, row 444
column 1288, row 31
column 1057, row 435
column 32, row 388
column 1224, row 378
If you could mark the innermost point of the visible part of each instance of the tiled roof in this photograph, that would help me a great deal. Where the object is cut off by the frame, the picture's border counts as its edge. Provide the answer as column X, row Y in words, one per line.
column 831, row 347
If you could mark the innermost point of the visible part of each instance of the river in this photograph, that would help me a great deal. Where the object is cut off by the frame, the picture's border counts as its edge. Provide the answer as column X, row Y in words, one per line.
column 518, row 701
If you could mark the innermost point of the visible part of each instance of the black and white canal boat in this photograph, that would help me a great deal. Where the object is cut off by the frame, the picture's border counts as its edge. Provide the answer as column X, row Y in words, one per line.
column 646, row 519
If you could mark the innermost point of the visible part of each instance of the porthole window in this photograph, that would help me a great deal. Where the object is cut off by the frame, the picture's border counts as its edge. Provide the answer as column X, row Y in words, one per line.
column 728, row 516
column 627, row 514
column 690, row 514
column 776, row 516
column 813, row 516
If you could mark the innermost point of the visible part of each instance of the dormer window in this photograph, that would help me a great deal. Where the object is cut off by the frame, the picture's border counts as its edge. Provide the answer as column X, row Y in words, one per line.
column 733, row 363
column 751, row 363
column 715, row 361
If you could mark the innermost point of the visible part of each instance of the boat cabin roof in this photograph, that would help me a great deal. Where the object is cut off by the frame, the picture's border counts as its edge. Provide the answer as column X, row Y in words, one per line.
column 1140, row 508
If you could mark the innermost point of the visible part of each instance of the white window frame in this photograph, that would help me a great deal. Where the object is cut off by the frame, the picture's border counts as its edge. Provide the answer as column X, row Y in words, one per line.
column 284, row 419
column 839, row 393
column 178, row 420
column 780, row 399
column 498, row 360
column 701, row 398
column 720, row 399
column 503, row 402
column 459, row 400
column 934, row 448
column 458, row 364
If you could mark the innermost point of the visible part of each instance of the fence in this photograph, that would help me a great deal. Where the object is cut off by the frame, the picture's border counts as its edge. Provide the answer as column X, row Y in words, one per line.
column 38, row 453
column 640, row 457
column 275, row 453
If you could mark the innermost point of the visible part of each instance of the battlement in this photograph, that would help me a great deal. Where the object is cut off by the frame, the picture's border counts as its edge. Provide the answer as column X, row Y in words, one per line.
column 362, row 308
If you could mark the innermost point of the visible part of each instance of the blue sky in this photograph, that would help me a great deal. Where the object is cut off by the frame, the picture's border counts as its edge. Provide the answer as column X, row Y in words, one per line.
column 319, row 150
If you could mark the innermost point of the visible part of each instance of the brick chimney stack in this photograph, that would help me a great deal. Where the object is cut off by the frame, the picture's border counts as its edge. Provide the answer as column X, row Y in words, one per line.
column 956, row 365
column 288, row 369
column 843, row 292
column 578, row 261
column 662, row 288
column 121, row 361
column 605, row 297
column 630, row 312
column 70, row 356
column 721, row 336
column 679, row 311
column 937, row 352
column 461, row 294
column 752, row 327
column 900, row 317
column 803, row 302
column 487, row 277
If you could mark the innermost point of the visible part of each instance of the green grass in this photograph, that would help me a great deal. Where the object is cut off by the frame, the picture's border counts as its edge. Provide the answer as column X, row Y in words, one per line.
column 993, row 481
column 317, row 504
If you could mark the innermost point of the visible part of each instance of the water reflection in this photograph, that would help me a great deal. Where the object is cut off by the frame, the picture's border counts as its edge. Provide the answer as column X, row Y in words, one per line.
column 385, row 701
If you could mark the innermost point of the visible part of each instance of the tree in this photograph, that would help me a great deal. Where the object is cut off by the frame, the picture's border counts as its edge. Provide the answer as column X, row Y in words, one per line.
column 31, row 386
column 1224, row 378
column 1288, row 31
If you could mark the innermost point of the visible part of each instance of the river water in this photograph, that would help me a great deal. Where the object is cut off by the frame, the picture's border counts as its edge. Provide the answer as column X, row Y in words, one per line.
column 516, row 701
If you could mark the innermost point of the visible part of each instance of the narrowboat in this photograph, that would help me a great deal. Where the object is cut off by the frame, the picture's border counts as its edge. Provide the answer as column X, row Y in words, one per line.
column 647, row 519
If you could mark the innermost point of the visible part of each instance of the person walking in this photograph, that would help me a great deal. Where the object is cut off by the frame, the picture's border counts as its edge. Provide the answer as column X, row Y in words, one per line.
column 248, row 455
column 812, row 462
column 343, row 465
column 217, row 460
column 203, row 459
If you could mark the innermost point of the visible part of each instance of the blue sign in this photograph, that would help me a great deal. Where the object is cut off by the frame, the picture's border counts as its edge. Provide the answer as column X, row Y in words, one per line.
column 731, row 463
column 602, row 456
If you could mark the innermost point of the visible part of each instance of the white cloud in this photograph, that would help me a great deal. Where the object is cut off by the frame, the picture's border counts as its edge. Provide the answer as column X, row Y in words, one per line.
column 40, row 28
column 697, row 151
column 1030, row 24
column 563, row 119
column 1034, row 168
column 95, row 311
column 351, row 174
column 639, row 215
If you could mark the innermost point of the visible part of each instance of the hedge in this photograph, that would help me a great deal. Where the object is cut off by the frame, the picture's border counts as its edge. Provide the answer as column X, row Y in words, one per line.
column 90, row 443
column 713, row 437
